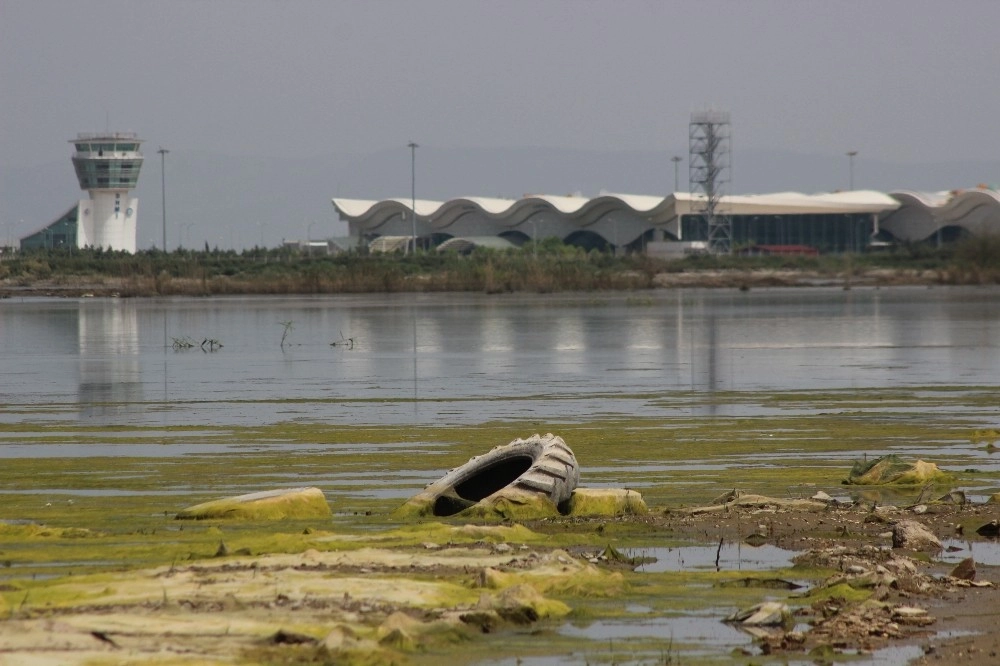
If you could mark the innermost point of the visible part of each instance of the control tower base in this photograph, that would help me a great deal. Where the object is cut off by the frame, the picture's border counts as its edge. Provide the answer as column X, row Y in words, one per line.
column 108, row 221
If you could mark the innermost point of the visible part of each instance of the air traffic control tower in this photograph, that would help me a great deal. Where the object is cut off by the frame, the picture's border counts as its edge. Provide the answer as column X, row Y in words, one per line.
column 107, row 166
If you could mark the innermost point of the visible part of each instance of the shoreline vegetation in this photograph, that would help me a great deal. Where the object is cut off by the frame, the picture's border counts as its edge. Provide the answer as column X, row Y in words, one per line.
column 549, row 267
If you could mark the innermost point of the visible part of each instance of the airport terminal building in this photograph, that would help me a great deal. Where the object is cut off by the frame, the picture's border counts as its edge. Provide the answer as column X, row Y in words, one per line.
column 838, row 222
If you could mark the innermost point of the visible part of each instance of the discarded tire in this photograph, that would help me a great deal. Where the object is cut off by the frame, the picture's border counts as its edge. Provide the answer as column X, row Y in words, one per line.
column 524, row 471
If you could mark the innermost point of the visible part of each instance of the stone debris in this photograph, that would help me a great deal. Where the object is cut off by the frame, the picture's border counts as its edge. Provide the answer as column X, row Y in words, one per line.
column 766, row 614
column 738, row 500
column 297, row 503
column 965, row 570
column 912, row 616
column 990, row 529
column 607, row 502
column 891, row 469
column 912, row 535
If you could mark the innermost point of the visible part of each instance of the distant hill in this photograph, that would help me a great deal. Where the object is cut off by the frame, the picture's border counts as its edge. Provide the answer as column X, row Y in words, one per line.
column 239, row 201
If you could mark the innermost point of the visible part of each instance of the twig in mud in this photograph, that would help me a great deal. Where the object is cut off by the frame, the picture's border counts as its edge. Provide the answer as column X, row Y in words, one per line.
column 288, row 329
column 182, row 343
column 347, row 343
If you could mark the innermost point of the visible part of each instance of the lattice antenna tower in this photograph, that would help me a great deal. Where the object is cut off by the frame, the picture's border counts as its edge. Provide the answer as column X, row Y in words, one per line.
column 709, row 170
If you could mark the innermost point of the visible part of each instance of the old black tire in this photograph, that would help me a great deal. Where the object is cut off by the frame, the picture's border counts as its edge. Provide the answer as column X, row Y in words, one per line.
column 542, row 465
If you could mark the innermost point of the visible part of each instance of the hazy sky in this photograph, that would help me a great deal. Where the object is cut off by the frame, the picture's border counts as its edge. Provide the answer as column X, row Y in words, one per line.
column 899, row 81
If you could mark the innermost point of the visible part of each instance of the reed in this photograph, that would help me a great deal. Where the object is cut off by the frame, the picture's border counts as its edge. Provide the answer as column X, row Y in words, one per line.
column 549, row 267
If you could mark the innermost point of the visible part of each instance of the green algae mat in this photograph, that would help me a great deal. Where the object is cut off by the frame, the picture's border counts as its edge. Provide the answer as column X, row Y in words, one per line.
column 96, row 568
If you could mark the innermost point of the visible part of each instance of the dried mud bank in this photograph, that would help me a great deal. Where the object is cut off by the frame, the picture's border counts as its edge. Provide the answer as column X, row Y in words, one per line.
column 429, row 592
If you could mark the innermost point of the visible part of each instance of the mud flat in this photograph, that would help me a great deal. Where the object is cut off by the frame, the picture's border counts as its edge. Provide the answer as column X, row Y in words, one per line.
column 432, row 591
column 95, row 567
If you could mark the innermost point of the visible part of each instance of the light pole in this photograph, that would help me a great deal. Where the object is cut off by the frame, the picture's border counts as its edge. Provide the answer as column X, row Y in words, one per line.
column 163, row 191
column 534, row 238
column 413, row 191
column 676, row 159
column 309, row 230
column 850, row 169
column 187, row 232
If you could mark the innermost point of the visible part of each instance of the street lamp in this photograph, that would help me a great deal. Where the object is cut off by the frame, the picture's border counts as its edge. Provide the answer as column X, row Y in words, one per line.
column 187, row 232
column 534, row 238
column 309, row 232
column 163, row 191
column 850, row 167
column 676, row 159
column 413, row 191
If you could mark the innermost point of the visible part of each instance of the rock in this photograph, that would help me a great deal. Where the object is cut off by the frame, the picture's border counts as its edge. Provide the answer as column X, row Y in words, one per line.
column 954, row 497
column 608, row 502
column 340, row 637
column 911, row 535
column 522, row 604
column 911, row 615
column 746, row 501
column 767, row 614
column 892, row 470
column 398, row 630
column 908, row 611
column 820, row 496
column 730, row 496
column 283, row 637
column 965, row 570
column 990, row 529
column 398, row 639
column 485, row 621
column 268, row 505
column 764, row 583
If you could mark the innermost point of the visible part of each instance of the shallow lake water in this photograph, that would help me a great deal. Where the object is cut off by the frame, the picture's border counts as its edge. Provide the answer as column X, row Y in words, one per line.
column 454, row 358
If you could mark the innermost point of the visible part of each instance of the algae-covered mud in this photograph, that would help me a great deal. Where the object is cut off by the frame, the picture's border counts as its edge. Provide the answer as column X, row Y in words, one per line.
column 96, row 568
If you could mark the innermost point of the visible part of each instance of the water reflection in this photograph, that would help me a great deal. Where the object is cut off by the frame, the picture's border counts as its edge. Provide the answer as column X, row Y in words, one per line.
column 537, row 356
column 110, row 373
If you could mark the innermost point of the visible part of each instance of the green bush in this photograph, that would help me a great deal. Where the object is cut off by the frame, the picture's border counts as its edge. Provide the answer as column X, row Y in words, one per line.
column 547, row 266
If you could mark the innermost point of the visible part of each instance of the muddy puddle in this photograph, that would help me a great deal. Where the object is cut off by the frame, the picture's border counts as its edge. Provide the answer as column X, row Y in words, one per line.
column 622, row 643
column 728, row 557
column 986, row 553
column 706, row 630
